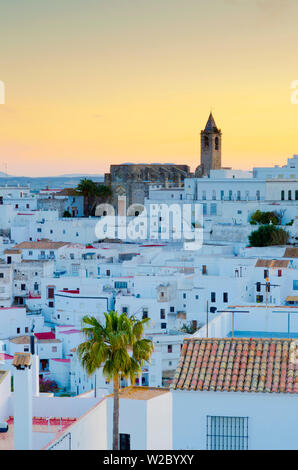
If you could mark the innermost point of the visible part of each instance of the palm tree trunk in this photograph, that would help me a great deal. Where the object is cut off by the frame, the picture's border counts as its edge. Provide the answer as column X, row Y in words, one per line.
column 116, row 414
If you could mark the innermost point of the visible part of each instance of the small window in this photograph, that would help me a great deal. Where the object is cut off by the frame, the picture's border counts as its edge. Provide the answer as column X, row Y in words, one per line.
column 213, row 297
column 162, row 314
column 124, row 309
column 227, row 433
column 51, row 304
column 170, row 348
column 163, row 326
column 124, row 441
column 18, row 330
column 225, row 297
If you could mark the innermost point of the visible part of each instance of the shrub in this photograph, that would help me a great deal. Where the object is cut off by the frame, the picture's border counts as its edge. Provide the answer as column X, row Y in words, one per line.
column 268, row 235
column 46, row 386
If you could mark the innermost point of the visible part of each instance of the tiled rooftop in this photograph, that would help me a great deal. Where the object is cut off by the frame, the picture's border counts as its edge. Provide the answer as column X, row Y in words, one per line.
column 238, row 365
column 272, row 263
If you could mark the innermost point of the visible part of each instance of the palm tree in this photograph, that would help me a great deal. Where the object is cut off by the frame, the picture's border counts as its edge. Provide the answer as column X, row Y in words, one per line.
column 94, row 194
column 118, row 346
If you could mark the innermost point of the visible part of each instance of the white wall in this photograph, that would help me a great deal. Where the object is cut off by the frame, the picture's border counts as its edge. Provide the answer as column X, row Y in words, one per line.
column 89, row 432
column 272, row 422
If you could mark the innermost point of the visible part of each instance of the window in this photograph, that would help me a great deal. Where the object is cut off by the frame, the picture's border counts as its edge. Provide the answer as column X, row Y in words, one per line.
column 26, row 348
column 124, row 441
column 295, row 285
column 213, row 297
column 163, row 326
column 51, row 292
column 258, row 288
column 289, row 195
column 296, row 195
column 213, row 209
column 222, row 195
column 108, row 272
column 266, row 273
column 227, row 433
column 51, row 304
column 282, row 195
column 259, row 299
column 279, row 273
column 170, row 348
column 26, row 329
column 54, row 348
column 230, row 195
column 120, row 285
column 18, row 330
column 23, row 286
column 172, row 309
column 216, row 143
column 225, row 297
column 258, row 195
column 184, row 295
column 1, row 275
column 124, row 309
column 204, row 195
column 39, row 230
column 213, row 195
column 162, row 314
column 145, row 313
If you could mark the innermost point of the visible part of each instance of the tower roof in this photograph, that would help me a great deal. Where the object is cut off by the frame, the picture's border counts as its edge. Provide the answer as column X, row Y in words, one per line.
column 211, row 125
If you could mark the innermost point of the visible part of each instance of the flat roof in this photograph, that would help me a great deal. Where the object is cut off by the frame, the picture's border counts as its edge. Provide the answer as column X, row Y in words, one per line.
column 141, row 393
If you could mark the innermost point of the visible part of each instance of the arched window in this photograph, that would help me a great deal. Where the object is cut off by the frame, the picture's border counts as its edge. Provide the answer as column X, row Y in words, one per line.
column 282, row 195
column 289, row 195
column 206, row 141
column 258, row 195
column 216, row 143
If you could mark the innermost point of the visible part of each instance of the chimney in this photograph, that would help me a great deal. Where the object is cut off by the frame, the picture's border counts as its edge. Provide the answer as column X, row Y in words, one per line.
column 35, row 367
column 22, row 382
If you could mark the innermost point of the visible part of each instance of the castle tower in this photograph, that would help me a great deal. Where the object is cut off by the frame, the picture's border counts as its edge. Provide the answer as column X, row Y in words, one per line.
column 210, row 148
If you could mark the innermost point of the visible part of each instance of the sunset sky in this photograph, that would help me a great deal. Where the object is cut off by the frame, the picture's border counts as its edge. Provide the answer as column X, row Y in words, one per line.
column 90, row 83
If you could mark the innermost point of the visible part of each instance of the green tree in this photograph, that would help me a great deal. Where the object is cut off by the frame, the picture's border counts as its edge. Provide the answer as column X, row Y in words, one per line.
column 264, row 218
column 119, row 347
column 268, row 235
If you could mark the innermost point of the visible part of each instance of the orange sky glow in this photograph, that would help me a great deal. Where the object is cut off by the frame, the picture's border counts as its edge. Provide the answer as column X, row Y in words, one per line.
column 93, row 83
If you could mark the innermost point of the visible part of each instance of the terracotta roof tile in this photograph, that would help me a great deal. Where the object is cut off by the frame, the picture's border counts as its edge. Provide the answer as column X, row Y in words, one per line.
column 238, row 364
column 272, row 263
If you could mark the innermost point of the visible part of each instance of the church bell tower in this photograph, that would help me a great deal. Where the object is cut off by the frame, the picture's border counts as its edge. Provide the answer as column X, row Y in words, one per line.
column 210, row 148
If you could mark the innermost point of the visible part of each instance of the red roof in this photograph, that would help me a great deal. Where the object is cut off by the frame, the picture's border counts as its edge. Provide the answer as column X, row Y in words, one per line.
column 238, row 365
column 47, row 335
column 70, row 332
column 5, row 357
column 76, row 291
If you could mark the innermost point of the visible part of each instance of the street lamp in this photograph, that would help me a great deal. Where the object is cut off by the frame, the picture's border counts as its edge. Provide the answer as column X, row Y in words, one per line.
column 233, row 316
